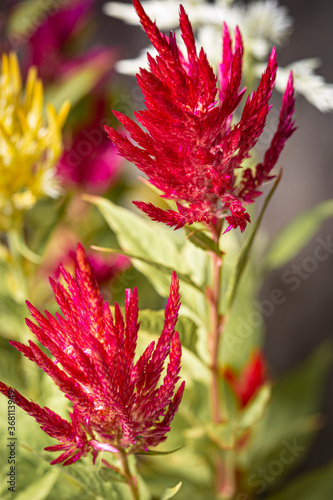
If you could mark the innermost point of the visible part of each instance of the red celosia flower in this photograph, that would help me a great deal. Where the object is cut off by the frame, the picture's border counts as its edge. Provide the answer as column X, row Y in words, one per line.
column 246, row 383
column 117, row 403
column 191, row 151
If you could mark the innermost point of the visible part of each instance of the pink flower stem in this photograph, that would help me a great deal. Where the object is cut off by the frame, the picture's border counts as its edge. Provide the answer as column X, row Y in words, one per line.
column 224, row 468
column 131, row 481
column 225, row 476
column 216, row 325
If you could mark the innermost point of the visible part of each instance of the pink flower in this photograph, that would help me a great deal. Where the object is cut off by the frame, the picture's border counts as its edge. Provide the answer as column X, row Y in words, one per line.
column 91, row 162
column 190, row 149
column 117, row 404
column 48, row 45
column 246, row 383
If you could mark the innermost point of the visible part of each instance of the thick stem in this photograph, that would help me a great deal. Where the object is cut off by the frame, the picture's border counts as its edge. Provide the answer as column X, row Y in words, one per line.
column 218, row 412
column 131, row 481
column 224, row 467
column 226, row 486
column 215, row 324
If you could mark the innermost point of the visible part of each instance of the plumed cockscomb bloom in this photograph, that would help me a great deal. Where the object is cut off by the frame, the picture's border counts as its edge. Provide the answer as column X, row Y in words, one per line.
column 117, row 404
column 191, row 151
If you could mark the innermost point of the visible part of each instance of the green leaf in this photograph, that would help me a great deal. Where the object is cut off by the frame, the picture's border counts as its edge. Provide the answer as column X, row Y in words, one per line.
column 297, row 234
column 156, row 265
column 152, row 322
column 256, row 407
column 316, row 485
column 88, row 478
column 245, row 252
column 76, row 85
column 40, row 489
column 226, row 434
column 158, row 453
column 19, row 245
column 151, row 245
column 170, row 492
column 201, row 240
column 85, row 475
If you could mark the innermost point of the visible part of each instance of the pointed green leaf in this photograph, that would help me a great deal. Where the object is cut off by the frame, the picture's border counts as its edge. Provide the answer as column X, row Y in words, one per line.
column 316, row 485
column 170, row 492
column 86, row 475
column 297, row 234
column 76, row 85
column 245, row 252
column 19, row 245
column 201, row 240
column 156, row 265
column 157, row 453
column 256, row 407
column 226, row 433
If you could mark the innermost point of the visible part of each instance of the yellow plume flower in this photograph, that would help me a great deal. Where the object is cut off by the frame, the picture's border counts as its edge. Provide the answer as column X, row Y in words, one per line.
column 29, row 145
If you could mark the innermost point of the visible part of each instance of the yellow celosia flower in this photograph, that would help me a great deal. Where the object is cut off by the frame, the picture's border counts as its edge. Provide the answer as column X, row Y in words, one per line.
column 29, row 145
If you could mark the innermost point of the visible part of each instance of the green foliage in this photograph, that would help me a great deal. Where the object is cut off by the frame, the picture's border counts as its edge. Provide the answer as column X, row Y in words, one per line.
column 227, row 434
column 151, row 244
column 152, row 322
column 157, row 253
column 200, row 239
column 79, row 84
column 90, row 482
column 40, row 489
column 245, row 252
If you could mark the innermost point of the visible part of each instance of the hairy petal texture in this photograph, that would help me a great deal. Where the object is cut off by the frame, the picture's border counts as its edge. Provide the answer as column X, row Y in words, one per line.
column 184, row 140
column 117, row 403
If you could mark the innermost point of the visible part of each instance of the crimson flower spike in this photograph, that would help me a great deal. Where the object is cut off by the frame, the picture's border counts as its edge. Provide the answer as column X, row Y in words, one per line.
column 117, row 404
column 190, row 150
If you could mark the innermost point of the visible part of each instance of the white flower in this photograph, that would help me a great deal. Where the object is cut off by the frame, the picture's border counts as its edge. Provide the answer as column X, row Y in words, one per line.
column 262, row 23
column 313, row 87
